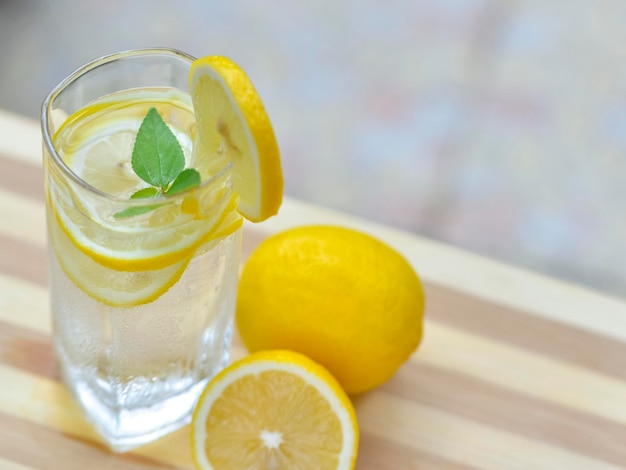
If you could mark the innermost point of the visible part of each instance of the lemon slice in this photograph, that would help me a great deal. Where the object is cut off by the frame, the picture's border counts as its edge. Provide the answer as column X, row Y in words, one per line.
column 232, row 126
column 111, row 287
column 274, row 409
column 123, row 288
column 165, row 236
column 97, row 140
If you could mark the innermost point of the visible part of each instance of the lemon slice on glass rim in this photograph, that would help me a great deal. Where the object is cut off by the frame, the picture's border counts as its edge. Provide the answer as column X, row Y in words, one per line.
column 233, row 126
column 274, row 409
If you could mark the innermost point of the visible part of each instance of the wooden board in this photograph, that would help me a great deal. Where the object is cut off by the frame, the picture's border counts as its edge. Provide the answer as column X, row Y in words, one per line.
column 516, row 371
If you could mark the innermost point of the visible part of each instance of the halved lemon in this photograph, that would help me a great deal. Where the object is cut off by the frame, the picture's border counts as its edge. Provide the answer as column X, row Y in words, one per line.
column 278, row 410
column 233, row 126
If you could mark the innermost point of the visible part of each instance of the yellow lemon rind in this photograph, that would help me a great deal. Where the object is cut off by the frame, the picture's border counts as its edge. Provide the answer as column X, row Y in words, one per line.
column 362, row 321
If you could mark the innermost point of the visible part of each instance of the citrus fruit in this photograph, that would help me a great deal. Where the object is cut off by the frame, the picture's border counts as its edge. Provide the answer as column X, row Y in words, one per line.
column 274, row 409
column 231, row 122
column 339, row 296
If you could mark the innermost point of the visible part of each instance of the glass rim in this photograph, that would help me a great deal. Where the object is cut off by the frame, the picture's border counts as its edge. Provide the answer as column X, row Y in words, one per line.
column 79, row 72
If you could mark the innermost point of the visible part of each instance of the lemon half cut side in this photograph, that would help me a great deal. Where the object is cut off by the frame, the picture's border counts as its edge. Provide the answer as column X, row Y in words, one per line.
column 274, row 409
column 232, row 126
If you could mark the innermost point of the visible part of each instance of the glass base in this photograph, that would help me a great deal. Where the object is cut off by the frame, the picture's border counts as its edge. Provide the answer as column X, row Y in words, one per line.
column 126, row 428
column 123, row 429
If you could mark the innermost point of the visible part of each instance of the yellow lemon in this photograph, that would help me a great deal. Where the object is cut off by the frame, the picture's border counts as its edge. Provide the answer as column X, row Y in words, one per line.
column 341, row 297
column 274, row 409
column 234, row 128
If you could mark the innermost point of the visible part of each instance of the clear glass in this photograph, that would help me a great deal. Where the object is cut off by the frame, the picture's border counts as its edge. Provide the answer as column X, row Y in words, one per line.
column 137, row 334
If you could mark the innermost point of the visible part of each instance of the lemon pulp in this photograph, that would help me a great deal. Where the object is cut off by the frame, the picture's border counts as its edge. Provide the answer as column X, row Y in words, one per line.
column 274, row 409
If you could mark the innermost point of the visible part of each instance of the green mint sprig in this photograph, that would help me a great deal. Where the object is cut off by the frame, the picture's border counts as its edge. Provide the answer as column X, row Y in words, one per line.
column 158, row 160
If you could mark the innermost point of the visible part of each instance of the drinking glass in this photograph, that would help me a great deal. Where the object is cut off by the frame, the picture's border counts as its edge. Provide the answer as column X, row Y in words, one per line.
column 142, row 290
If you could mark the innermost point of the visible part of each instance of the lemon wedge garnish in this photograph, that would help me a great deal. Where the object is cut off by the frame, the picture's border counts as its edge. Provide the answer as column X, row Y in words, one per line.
column 274, row 409
column 233, row 126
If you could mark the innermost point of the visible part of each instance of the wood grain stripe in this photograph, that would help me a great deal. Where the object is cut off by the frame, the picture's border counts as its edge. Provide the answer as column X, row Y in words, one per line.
column 20, row 138
column 24, row 304
column 23, row 260
column 22, row 178
column 8, row 465
column 523, row 371
column 511, row 411
column 376, row 453
column 48, row 449
column 27, row 350
column 604, row 354
column 24, row 219
column 461, row 440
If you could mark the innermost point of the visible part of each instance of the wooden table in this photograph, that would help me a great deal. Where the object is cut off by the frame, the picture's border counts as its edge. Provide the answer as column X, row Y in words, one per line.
column 516, row 370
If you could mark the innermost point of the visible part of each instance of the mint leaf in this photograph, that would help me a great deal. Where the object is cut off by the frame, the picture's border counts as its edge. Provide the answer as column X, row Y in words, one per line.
column 158, row 159
column 144, row 193
column 187, row 179
column 133, row 211
column 157, row 156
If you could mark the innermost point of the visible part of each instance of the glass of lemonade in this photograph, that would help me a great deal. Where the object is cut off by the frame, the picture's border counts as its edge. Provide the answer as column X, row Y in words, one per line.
column 142, row 290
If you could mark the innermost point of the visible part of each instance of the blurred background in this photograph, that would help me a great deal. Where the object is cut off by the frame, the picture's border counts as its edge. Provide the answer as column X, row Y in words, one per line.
column 498, row 126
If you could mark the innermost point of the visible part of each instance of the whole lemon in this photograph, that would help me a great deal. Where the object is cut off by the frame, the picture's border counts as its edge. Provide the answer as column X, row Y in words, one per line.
column 339, row 296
